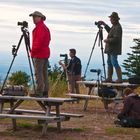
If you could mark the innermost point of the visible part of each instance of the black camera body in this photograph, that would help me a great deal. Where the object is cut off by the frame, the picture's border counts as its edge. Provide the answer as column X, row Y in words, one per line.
column 63, row 55
column 98, row 71
column 98, row 24
column 24, row 24
column 65, row 58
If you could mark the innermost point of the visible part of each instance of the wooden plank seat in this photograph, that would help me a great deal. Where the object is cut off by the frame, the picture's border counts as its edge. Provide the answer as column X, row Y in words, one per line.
column 21, row 111
column 17, row 116
column 105, row 100
column 44, row 119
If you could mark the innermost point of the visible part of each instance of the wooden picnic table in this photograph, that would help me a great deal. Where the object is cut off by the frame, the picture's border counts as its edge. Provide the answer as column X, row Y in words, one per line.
column 92, row 84
column 45, row 104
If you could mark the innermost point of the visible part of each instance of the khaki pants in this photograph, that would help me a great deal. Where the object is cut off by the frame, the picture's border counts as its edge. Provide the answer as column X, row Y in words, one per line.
column 73, row 87
column 41, row 75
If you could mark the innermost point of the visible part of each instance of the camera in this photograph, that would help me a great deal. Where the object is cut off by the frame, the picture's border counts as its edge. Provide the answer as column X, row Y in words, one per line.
column 63, row 55
column 98, row 71
column 65, row 58
column 24, row 24
column 98, row 23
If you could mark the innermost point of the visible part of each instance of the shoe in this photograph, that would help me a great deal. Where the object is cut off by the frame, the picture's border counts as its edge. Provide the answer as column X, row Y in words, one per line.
column 117, row 123
column 107, row 81
column 45, row 94
column 119, row 81
column 36, row 95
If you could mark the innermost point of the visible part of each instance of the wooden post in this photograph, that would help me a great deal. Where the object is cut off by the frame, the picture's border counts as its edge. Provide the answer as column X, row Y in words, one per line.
column 1, row 106
column 44, row 129
column 42, row 106
column 86, row 101
column 58, row 115
column 13, row 120
column 14, row 106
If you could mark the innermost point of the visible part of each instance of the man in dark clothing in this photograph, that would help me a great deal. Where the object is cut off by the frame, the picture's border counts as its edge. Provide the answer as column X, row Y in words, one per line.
column 130, row 115
column 113, row 46
column 73, row 71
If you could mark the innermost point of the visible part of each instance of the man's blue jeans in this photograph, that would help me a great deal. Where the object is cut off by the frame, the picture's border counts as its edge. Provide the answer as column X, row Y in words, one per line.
column 112, row 61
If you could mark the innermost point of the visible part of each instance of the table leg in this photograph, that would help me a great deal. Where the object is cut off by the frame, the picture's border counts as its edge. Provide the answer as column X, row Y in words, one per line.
column 86, row 101
column 58, row 115
column 1, row 107
column 13, row 120
column 42, row 105
column 14, row 106
column 44, row 129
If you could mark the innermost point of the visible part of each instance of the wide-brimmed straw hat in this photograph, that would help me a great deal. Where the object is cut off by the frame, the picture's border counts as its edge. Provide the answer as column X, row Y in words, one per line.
column 37, row 13
column 114, row 15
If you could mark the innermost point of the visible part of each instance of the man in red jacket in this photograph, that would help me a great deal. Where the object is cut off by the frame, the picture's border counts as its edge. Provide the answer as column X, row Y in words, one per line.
column 40, row 53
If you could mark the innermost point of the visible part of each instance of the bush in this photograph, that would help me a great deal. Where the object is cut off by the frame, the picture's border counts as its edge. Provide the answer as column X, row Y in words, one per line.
column 19, row 78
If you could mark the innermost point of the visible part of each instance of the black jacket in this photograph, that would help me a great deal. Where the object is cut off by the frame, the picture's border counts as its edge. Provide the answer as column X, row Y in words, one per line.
column 114, row 46
column 74, row 66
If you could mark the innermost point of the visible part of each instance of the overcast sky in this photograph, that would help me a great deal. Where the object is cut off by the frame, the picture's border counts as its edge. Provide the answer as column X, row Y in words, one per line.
column 71, row 23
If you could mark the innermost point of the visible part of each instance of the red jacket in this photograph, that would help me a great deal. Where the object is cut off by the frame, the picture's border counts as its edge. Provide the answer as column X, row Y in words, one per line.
column 40, row 42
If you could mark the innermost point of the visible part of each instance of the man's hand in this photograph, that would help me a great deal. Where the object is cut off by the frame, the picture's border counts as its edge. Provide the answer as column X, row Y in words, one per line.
column 60, row 63
column 102, row 22
column 63, row 65
column 106, row 40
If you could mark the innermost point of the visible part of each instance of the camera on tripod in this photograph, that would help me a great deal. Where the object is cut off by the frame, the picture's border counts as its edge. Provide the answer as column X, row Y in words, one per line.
column 98, row 71
column 98, row 24
column 24, row 24
column 65, row 58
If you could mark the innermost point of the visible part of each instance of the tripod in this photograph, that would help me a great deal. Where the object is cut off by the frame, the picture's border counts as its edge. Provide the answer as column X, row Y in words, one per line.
column 26, row 36
column 100, row 43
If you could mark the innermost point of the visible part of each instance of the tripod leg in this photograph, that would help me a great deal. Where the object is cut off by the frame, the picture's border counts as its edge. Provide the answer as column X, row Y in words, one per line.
column 15, row 54
column 91, row 53
column 27, row 44
column 102, row 51
column 31, row 71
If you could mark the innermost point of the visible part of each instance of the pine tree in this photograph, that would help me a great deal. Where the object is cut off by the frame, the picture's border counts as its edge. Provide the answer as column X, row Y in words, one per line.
column 132, row 63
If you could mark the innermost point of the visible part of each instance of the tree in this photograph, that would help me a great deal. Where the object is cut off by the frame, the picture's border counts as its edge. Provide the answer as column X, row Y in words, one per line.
column 132, row 63
column 19, row 78
column 55, row 72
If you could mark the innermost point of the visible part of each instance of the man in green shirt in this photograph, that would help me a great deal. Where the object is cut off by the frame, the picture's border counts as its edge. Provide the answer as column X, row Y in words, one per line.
column 113, row 46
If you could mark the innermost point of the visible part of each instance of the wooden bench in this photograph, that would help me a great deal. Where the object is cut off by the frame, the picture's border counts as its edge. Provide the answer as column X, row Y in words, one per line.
column 45, row 119
column 21, row 111
column 45, row 104
column 51, row 118
column 106, row 101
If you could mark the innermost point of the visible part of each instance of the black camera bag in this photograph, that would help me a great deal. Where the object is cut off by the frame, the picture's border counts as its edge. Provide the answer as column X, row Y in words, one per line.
column 107, row 92
column 134, row 80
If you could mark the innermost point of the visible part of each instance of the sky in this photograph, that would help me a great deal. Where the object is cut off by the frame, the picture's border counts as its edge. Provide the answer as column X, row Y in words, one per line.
column 72, row 25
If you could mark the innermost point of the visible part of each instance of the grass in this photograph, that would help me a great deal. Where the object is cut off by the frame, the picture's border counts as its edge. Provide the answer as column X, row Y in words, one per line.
column 133, row 132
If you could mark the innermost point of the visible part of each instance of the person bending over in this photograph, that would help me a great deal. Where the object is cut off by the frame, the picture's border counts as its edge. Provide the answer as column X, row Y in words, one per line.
column 130, row 114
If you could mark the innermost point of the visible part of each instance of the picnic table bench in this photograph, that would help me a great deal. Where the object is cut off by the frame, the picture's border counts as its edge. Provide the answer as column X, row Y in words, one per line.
column 46, row 115
column 91, row 86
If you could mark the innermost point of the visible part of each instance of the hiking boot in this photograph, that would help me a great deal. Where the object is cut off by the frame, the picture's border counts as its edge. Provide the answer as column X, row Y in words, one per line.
column 109, row 76
column 45, row 94
column 119, row 75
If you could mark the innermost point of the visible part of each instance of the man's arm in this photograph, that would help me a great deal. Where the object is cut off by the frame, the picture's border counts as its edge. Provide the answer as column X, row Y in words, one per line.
column 63, row 65
column 116, row 36
column 107, row 28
